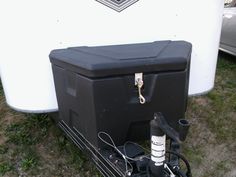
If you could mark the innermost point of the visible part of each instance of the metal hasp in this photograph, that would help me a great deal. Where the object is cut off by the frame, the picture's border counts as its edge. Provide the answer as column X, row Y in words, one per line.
column 159, row 130
column 139, row 83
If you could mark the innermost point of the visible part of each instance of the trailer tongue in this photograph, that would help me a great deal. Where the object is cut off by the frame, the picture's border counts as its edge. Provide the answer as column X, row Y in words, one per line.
column 131, row 159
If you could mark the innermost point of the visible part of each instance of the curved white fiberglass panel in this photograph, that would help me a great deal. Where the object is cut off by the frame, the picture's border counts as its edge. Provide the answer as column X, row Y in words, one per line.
column 31, row 29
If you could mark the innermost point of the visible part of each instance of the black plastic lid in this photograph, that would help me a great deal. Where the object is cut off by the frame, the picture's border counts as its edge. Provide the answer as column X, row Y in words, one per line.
column 126, row 59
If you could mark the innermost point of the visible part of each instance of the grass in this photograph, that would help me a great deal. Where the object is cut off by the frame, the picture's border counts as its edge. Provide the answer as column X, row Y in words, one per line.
column 20, row 133
column 29, row 161
column 211, row 143
column 5, row 167
column 31, row 144
column 223, row 103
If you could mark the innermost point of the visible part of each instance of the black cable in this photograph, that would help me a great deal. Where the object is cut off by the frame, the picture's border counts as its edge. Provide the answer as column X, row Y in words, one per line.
column 189, row 173
column 181, row 174
column 112, row 144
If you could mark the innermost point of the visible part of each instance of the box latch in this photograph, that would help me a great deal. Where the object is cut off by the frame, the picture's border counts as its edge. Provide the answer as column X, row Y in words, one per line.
column 139, row 83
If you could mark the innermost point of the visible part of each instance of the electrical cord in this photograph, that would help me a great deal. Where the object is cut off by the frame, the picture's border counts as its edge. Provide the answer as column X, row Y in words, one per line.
column 188, row 173
column 126, row 158
column 181, row 174
column 147, row 150
column 128, row 172
column 139, row 157
column 177, row 171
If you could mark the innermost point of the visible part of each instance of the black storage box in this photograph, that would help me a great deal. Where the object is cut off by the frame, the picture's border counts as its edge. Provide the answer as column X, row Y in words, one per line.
column 96, row 90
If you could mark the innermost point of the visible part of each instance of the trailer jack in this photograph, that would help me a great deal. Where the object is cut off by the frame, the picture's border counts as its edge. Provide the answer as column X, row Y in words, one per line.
column 132, row 159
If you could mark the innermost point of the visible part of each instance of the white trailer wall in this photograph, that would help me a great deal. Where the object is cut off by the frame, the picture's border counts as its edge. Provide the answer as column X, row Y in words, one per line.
column 31, row 29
